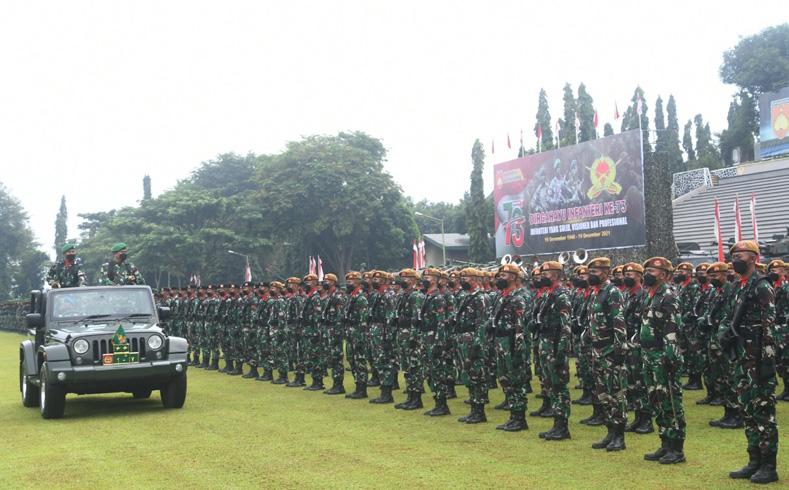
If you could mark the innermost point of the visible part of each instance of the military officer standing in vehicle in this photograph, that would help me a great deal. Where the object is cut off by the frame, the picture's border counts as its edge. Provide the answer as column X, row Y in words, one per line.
column 118, row 271
column 67, row 273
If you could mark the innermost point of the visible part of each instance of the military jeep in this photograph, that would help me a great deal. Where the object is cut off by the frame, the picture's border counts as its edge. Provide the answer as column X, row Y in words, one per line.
column 102, row 339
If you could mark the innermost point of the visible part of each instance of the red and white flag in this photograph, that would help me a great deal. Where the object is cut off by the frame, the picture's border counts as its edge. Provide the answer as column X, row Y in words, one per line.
column 539, row 133
column 737, row 220
column 753, row 217
column 595, row 120
column 422, row 258
column 320, row 268
column 247, row 273
column 616, row 112
column 416, row 256
column 312, row 265
column 719, row 232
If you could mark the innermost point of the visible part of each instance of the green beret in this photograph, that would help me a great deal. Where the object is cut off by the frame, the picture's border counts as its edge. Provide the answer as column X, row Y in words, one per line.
column 68, row 246
column 118, row 247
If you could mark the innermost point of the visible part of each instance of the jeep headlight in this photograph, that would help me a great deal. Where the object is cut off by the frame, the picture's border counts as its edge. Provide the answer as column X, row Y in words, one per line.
column 80, row 346
column 155, row 342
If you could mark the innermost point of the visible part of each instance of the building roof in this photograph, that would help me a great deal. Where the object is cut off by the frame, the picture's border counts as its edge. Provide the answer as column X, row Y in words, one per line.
column 454, row 241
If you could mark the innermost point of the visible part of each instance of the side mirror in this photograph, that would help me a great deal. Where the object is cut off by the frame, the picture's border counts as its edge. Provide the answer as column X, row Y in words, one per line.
column 34, row 320
column 164, row 313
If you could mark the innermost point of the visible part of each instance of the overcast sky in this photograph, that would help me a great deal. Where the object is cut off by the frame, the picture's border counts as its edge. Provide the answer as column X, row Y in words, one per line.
column 94, row 95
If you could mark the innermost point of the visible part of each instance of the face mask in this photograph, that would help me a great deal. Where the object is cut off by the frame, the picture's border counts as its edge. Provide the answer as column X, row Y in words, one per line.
column 364, row 286
column 71, row 258
column 716, row 283
column 465, row 285
column 617, row 281
column 546, row 282
column 773, row 276
column 702, row 280
column 350, row 288
column 376, row 284
column 535, row 283
column 594, row 280
column 680, row 278
column 629, row 282
column 451, row 284
column 290, row 290
column 122, row 257
column 425, row 283
column 650, row 280
column 740, row 266
column 580, row 283
column 502, row 283
column 730, row 277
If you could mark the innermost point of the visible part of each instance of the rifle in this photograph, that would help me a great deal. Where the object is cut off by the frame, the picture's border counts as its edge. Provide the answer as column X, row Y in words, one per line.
column 731, row 338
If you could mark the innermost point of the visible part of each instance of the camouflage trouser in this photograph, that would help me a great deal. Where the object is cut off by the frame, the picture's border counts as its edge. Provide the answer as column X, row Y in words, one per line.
column 610, row 385
column 556, row 375
column 295, row 347
column 357, row 339
column 756, row 398
column 334, row 341
column 237, row 341
column 211, row 347
column 438, row 368
column 585, row 359
column 314, row 352
column 191, row 337
column 511, row 371
column 250, row 341
column 782, row 354
column 473, row 352
column 368, row 353
column 636, row 391
column 226, row 342
column 695, row 353
column 383, row 352
column 411, row 359
column 264, row 352
column 280, row 348
column 714, row 376
column 580, row 361
column 665, row 394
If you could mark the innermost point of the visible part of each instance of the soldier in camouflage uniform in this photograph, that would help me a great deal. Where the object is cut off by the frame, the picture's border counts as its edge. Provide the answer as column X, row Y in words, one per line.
column 192, row 303
column 223, row 315
column 249, row 341
column 662, row 360
column 408, row 339
column 751, row 340
column 235, row 334
column 383, row 332
column 507, row 329
column 578, row 318
column 355, row 322
column 532, row 324
column 777, row 274
column 67, row 273
column 554, row 337
column 688, row 293
column 264, row 355
column 314, row 342
column 608, row 338
column 634, row 297
column 700, row 336
column 332, row 328
column 434, row 340
column 451, row 346
column 277, row 324
column 201, row 339
column 118, row 271
column 211, row 310
column 294, row 302
column 471, row 323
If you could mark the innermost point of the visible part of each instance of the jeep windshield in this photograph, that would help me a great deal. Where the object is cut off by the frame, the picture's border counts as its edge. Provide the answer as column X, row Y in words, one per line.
column 78, row 304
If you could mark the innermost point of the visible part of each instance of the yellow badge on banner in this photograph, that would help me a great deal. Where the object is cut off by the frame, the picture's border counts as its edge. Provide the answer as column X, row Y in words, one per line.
column 603, row 175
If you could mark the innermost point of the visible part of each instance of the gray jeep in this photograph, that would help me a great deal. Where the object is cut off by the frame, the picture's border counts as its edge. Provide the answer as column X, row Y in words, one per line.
column 101, row 339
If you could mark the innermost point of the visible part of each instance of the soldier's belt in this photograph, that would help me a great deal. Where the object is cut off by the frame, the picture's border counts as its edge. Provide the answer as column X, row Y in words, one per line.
column 602, row 343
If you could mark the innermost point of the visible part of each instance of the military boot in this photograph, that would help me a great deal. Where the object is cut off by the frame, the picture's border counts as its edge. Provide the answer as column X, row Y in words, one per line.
column 238, row 370
column 297, row 382
column 528, row 387
column 561, row 431
column 717, row 401
column 396, row 384
column 451, row 394
column 359, row 393
column 214, row 366
column 675, row 452
column 660, row 452
column 409, row 399
column 518, row 422
column 253, row 373
column 726, row 416
column 504, row 405
column 267, row 375
column 694, row 382
column 543, row 435
column 586, row 398
column 374, row 380
column 618, row 440
column 492, row 384
column 196, row 359
column 384, row 397
column 440, row 409
column 635, row 423
column 605, row 441
column 645, row 427
column 509, row 421
column 336, row 388
column 205, row 363
column 317, row 384
column 597, row 418
column 754, row 463
column 229, row 366
column 415, row 403
column 282, row 379
column 784, row 396
column 477, row 414
column 766, row 472
column 545, row 407
column 734, row 421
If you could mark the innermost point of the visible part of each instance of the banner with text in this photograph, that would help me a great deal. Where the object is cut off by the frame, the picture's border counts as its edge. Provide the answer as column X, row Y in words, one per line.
column 589, row 195
column 774, row 124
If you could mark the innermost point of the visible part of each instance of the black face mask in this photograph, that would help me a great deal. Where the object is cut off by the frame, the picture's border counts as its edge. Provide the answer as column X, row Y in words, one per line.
column 580, row 283
column 350, row 288
column 740, row 266
column 617, row 281
column 502, row 284
column 716, row 283
column 773, row 276
column 702, row 280
column 401, row 283
column 649, row 280
column 364, row 286
column 376, row 284
column 629, row 282
column 325, row 285
column 594, row 280
column 290, row 290
column 451, row 284
column 425, row 283
column 680, row 279
column 545, row 282
column 535, row 283
column 730, row 277
column 465, row 285
column 122, row 257
column 71, row 258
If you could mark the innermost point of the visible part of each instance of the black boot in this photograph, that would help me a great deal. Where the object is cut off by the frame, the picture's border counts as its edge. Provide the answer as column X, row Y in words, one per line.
column 214, row 366
column 239, row 369
column 561, row 431
column 528, row 387
column 385, row 396
column 336, row 388
column 586, row 398
column 766, row 472
column 519, row 422
column 645, row 427
column 726, row 416
column 374, row 381
column 297, row 382
column 750, row 469
column 734, row 421
column 605, row 441
column 440, row 409
column 396, row 384
column 416, row 402
column 707, row 399
column 267, row 375
column 694, row 382
column 597, row 417
column 661, row 451
column 282, row 379
column 317, row 384
column 504, row 405
column 451, row 391
column 205, row 362
column 408, row 400
column 545, row 407
column 359, row 393
column 543, row 435
column 253, row 373
column 784, row 396
column 618, row 441
column 635, row 423
column 675, row 452
column 477, row 414
column 509, row 421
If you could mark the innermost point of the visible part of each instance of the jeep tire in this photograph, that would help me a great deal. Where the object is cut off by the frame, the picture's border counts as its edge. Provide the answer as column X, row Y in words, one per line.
column 52, row 398
column 141, row 394
column 29, row 390
column 174, row 392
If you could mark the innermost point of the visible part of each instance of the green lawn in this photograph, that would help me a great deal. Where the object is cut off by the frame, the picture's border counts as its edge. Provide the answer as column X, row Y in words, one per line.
column 236, row 433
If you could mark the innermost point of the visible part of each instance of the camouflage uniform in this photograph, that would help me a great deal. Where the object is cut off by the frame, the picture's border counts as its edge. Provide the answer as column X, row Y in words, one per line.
column 782, row 334
column 689, row 338
column 383, row 334
column 408, row 340
column 717, row 377
column 62, row 275
column 554, row 338
column 355, row 322
column 314, row 343
column 295, row 338
column 280, row 349
column 507, row 325
column 211, row 319
column 332, row 316
column 434, row 339
column 636, row 391
column 114, row 274
column 261, row 324
column 471, row 324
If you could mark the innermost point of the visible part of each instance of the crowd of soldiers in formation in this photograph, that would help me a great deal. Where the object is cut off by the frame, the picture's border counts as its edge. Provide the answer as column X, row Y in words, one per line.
column 634, row 328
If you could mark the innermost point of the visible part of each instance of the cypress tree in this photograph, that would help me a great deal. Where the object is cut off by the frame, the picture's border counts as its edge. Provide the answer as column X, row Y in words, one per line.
column 146, row 187
column 687, row 142
column 673, row 151
column 585, row 115
column 61, row 226
column 479, row 242
column 567, row 123
column 608, row 130
column 544, row 121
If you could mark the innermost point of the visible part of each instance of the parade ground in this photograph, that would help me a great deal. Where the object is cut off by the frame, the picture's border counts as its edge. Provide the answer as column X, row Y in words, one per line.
column 240, row 433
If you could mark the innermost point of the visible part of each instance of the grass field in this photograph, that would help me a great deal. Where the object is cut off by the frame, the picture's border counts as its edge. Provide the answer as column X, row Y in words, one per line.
column 236, row 433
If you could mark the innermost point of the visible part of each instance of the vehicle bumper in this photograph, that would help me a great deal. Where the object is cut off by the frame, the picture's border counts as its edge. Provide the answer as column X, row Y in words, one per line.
column 115, row 377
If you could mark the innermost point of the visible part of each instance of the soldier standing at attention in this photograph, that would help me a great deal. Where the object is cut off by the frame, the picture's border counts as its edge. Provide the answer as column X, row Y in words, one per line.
column 433, row 328
column 662, row 360
column 471, row 322
column 408, row 339
column 277, row 323
column 382, row 335
column 332, row 318
column 67, row 273
column 777, row 274
column 635, row 295
column 751, row 338
column 607, row 335
column 356, row 314
column 311, row 330
column 118, row 271
column 294, row 301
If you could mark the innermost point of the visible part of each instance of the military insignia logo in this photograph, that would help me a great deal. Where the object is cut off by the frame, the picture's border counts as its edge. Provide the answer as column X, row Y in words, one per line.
column 779, row 117
column 603, row 176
